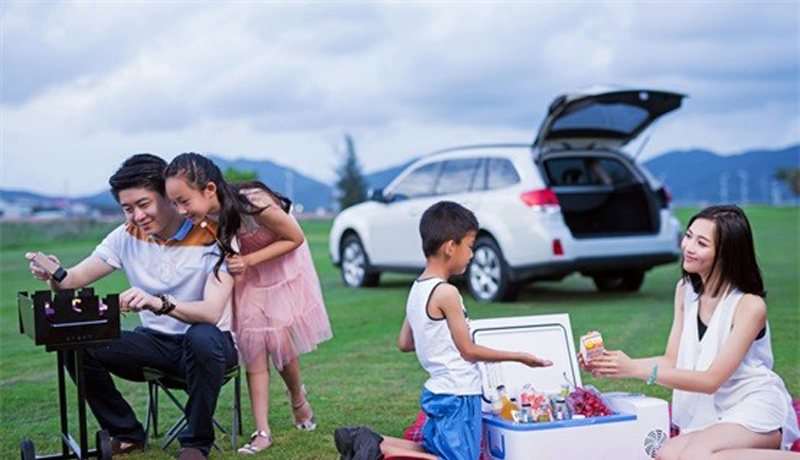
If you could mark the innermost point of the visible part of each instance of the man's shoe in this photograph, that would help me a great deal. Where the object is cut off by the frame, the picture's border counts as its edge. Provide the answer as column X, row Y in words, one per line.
column 190, row 453
column 117, row 449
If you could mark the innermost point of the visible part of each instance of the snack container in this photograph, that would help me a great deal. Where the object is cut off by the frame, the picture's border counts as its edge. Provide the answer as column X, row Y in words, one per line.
column 591, row 346
column 638, row 428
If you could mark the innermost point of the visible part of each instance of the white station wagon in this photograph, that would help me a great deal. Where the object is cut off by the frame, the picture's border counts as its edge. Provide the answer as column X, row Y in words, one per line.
column 570, row 202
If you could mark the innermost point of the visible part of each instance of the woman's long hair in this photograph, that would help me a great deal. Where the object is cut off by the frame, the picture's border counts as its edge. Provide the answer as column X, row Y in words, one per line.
column 198, row 172
column 735, row 255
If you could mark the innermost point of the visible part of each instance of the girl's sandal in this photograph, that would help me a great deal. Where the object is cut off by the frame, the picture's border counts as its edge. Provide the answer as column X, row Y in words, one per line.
column 309, row 424
column 250, row 449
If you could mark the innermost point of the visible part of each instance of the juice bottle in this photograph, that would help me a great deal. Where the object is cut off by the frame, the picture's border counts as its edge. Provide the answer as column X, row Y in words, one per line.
column 507, row 405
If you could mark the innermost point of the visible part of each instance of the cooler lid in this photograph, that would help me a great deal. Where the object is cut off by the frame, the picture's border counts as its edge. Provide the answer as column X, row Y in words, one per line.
column 546, row 336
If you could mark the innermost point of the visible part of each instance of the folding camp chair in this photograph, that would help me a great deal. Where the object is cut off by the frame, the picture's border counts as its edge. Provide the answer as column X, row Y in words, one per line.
column 159, row 380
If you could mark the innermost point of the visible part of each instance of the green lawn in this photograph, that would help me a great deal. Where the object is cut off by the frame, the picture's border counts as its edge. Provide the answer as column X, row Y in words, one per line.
column 359, row 377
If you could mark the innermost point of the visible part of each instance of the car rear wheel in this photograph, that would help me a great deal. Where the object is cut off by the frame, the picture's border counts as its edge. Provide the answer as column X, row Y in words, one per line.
column 488, row 275
column 619, row 282
column 356, row 270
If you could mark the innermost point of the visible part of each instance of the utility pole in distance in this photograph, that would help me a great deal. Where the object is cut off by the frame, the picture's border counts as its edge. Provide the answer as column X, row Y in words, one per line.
column 723, row 187
column 743, row 191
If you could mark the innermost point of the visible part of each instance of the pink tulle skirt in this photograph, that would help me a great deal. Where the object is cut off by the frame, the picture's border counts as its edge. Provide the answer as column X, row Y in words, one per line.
column 279, row 311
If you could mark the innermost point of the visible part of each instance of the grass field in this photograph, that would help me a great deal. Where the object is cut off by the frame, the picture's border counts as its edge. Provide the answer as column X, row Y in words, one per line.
column 359, row 377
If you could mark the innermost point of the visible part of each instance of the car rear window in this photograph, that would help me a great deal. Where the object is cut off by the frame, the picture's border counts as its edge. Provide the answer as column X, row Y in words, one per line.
column 588, row 171
column 621, row 118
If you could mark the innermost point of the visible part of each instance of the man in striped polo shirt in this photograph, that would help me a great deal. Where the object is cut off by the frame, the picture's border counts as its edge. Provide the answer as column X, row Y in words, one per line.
column 182, row 301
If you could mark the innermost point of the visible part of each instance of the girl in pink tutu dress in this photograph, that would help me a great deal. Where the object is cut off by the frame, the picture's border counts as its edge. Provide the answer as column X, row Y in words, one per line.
column 278, row 306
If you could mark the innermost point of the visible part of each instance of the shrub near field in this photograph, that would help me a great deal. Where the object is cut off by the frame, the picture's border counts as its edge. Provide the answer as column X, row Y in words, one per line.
column 359, row 378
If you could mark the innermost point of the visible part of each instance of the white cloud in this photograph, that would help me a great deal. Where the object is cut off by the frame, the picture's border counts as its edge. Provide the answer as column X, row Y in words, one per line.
column 86, row 84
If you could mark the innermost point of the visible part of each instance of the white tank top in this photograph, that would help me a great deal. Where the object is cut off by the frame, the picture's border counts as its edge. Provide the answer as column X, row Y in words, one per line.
column 754, row 396
column 436, row 351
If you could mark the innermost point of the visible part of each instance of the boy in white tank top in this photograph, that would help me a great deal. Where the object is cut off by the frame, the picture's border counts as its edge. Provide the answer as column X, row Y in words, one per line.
column 436, row 329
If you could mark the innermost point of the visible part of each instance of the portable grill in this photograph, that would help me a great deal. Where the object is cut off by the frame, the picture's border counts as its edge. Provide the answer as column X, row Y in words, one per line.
column 69, row 322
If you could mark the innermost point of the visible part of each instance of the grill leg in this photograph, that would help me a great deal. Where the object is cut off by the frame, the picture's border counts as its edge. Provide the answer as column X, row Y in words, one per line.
column 81, row 381
column 62, row 403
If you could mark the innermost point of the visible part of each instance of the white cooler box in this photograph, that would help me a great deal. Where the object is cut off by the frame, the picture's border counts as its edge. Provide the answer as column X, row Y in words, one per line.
column 639, row 427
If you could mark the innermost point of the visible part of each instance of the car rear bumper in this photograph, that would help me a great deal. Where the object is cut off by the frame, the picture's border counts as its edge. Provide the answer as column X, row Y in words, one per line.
column 591, row 265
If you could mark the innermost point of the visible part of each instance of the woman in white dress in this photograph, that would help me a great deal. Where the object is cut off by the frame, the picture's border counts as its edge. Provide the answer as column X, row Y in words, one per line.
column 727, row 401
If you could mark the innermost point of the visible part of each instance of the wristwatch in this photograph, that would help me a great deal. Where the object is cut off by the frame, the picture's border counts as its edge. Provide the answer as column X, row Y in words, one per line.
column 166, row 305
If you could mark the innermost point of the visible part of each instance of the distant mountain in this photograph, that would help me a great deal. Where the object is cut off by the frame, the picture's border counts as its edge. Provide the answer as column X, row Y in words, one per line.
column 104, row 200
column 382, row 178
column 302, row 189
column 697, row 176
column 311, row 193
column 693, row 176
column 21, row 195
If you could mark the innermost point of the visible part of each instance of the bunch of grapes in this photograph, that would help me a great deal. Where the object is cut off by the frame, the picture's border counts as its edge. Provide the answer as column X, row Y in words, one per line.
column 587, row 403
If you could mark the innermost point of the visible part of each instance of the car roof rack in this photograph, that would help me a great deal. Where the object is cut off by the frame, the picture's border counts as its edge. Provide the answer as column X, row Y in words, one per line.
column 476, row 146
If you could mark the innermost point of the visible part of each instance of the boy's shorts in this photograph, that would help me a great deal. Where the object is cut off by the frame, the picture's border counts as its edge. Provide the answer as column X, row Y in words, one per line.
column 452, row 430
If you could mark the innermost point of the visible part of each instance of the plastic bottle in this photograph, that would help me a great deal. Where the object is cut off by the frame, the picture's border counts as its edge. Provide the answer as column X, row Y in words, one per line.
column 527, row 415
column 497, row 404
column 507, row 405
column 545, row 415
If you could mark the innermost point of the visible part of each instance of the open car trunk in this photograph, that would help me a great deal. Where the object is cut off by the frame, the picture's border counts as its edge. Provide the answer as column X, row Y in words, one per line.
column 601, row 196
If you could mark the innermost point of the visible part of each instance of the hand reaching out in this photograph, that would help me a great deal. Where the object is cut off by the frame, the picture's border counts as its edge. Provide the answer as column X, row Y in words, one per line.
column 533, row 361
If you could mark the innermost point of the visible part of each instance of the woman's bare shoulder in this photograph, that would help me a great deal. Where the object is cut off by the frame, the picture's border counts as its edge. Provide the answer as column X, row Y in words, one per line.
column 751, row 304
column 680, row 287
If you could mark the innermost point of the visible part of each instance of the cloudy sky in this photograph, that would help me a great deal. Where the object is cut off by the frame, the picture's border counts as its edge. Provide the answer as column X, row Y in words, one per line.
column 87, row 84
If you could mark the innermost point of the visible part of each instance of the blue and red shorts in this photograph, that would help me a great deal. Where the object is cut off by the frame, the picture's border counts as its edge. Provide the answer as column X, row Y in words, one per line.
column 452, row 430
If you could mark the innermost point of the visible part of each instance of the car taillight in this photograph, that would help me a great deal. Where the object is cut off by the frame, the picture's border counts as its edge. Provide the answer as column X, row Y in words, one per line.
column 558, row 248
column 540, row 198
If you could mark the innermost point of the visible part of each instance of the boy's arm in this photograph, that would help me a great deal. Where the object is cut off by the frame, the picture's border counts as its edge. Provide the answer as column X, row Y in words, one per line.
column 208, row 310
column 405, row 341
column 85, row 273
column 446, row 302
